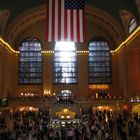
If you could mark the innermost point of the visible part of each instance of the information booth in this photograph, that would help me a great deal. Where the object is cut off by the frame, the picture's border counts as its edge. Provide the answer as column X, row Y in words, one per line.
column 56, row 123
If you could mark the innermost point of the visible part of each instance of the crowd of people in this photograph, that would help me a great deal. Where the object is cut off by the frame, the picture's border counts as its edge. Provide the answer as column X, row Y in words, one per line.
column 96, row 125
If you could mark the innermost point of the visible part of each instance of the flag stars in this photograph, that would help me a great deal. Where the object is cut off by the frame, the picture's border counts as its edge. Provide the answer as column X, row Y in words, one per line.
column 74, row 4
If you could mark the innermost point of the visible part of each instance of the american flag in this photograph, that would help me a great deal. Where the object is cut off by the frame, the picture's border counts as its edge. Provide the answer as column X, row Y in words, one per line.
column 65, row 20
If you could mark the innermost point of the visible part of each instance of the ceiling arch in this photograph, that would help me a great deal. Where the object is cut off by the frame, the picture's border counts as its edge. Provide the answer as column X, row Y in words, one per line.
column 109, row 26
column 103, row 14
column 111, row 6
column 97, row 17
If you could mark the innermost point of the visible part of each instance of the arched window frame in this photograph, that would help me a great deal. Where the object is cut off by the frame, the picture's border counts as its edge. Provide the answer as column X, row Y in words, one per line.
column 132, row 25
column 30, row 61
column 99, row 66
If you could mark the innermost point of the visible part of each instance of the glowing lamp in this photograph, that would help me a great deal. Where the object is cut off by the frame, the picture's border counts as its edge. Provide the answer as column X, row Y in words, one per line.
column 125, row 107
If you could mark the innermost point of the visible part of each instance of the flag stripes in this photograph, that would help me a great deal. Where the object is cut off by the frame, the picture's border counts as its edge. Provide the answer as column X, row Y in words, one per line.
column 64, row 24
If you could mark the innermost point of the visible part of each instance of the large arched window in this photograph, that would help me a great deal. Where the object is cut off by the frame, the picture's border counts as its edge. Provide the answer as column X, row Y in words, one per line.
column 65, row 63
column 132, row 25
column 99, row 62
column 30, row 71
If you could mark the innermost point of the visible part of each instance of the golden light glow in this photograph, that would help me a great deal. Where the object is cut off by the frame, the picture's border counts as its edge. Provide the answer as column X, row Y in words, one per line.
column 47, row 92
column 47, row 52
column 108, row 108
column 28, row 109
column 97, row 96
column 97, row 87
column 78, row 52
column 132, row 36
column 65, row 114
column 6, row 45
column 82, row 52
column 125, row 43
column 65, row 110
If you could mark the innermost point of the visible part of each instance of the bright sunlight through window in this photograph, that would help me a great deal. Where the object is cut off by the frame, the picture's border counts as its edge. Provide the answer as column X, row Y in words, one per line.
column 65, row 63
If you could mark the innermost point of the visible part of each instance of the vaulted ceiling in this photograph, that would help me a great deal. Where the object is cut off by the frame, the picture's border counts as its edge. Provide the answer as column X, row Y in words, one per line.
column 114, row 8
